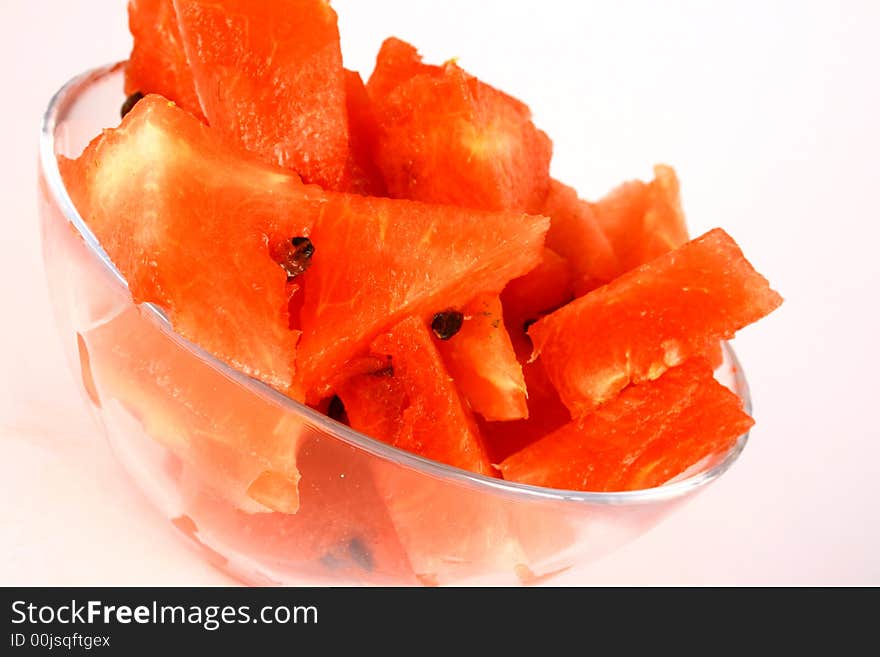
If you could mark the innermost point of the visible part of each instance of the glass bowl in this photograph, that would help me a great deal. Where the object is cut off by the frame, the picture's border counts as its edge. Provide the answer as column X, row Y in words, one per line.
column 209, row 446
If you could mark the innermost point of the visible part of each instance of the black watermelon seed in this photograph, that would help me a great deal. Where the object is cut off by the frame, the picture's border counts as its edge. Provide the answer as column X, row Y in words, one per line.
column 298, row 257
column 336, row 410
column 130, row 102
column 360, row 554
column 447, row 324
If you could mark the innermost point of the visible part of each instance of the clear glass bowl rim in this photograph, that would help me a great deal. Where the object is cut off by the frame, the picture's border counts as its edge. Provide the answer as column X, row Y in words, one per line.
column 67, row 95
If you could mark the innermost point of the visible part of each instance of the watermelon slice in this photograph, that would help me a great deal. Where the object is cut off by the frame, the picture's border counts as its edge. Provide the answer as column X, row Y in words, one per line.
column 546, row 414
column 449, row 532
column 191, row 225
column 158, row 64
column 576, row 235
column 436, row 422
column 396, row 63
column 378, row 261
column 650, row 319
column 446, row 137
column 269, row 77
column 643, row 220
column 374, row 403
column 649, row 434
column 481, row 360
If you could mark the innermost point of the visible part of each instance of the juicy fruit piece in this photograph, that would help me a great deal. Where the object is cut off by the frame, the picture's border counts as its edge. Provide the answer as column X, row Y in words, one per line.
column 546, row 414
column 436, row 422
column 362, row 176
column 374, row 404
column 446, row 137
column 547, row 287
column 396, row 63
column 643, row 220
column 378, row 261
column 482, row 362
column 576, row 235
column 413, row 404
column 642, row 438
column 158, row 64
column 448, row 532
column 269, row 78
column 187, row 222
column 650, row 319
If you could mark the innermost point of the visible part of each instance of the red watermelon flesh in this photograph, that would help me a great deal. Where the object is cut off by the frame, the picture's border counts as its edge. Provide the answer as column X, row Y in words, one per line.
column 482, row 362
column 643, row 438
column 650, row 319
column 396, row 63
column 378, row 261
column 190, row 224
column 436, row 422
column 449, row 532
column 643, row 220
column 374, row 403
column 546, row 414
column 576, row 235
column 269, row 78
column 446, row 137
column 362, row 176
column 158, row 64
column 547, row 287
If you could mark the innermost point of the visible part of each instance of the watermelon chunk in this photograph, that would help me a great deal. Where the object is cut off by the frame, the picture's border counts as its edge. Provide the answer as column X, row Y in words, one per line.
column 158, row 64
column 414, row 403
column 546, row 414
column 378, row 261
column 446, row 137
column 269, row 77
column 396, row 63
column 191, row 225
column 436, row 423
column 643, row 220
column 481, row 360
column 576, row 235
column 374, row 403
column 650, row 319
column 643, row 438
column 448, row 532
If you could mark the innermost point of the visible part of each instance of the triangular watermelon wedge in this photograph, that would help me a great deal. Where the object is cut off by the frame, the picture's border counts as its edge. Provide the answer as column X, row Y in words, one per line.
column 482, row 361
column 191, row 225
column 413, row 258
column 269, row 76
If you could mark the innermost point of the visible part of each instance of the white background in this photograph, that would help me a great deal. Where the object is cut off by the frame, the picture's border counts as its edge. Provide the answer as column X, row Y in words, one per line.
column 768, row 110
